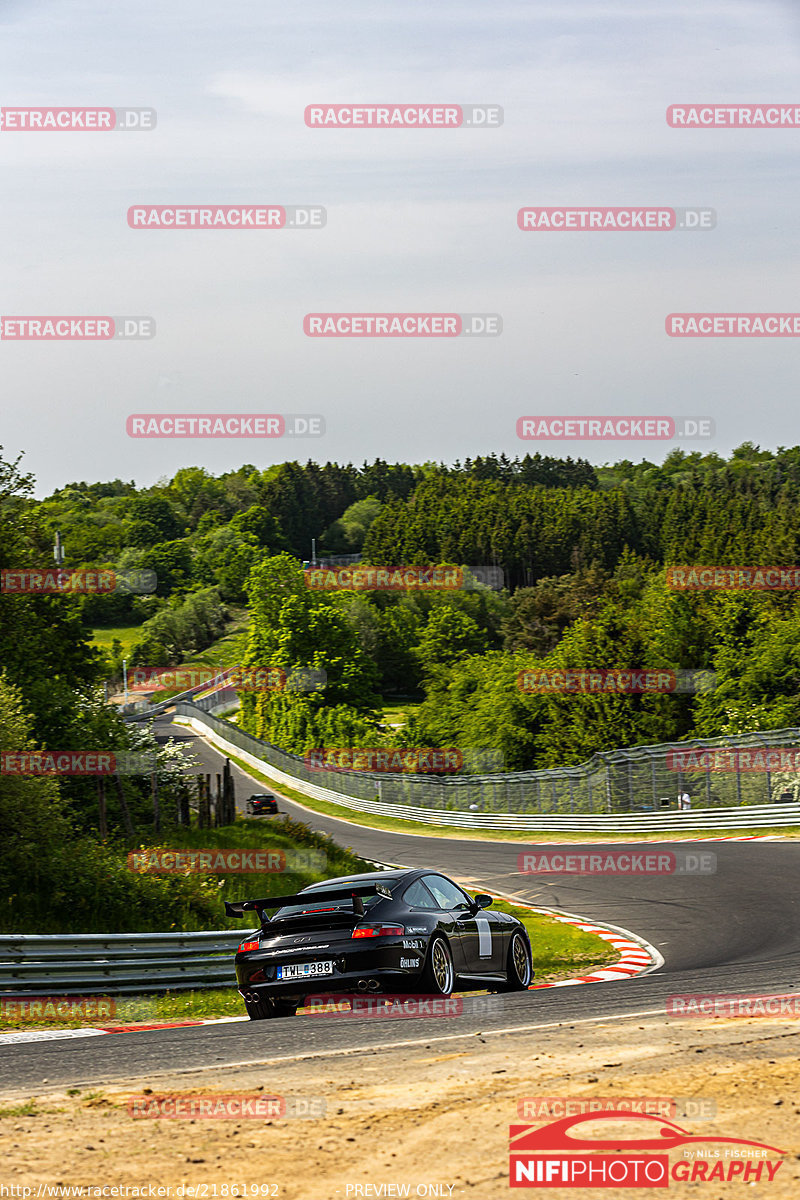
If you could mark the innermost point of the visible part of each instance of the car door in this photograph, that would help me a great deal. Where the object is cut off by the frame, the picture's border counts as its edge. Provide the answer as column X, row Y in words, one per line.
column 477, row 935
column 418, row 896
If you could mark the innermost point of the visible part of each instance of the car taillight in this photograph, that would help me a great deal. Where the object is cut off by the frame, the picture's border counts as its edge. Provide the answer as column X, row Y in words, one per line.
column 245, row 946
column 362, row 931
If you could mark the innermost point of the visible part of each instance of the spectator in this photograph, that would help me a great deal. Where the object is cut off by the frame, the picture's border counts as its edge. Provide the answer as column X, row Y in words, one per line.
column 684, row 801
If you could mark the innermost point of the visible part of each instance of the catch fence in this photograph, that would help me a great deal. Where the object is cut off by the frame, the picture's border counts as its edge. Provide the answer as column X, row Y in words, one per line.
column 751, row 769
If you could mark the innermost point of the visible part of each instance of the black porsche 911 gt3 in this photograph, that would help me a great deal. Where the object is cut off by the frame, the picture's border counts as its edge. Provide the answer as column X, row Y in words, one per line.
column 391, row 931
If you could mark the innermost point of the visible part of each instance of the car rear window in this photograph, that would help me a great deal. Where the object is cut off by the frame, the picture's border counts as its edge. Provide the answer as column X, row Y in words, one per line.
column 321, row 906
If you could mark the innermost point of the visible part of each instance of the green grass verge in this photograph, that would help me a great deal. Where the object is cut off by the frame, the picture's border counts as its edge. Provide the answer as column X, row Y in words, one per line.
column 397, row 712
column 227, row 651
column 253, row 833
column 129, row 635
column 203, row 1004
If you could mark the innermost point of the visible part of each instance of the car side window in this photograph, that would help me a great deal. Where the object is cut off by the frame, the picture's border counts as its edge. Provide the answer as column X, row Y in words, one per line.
column 418, row 896
column 446, row 894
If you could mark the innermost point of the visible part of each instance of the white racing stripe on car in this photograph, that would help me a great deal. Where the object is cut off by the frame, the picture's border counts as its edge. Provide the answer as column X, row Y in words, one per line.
column 637, row 956
column 484, row 937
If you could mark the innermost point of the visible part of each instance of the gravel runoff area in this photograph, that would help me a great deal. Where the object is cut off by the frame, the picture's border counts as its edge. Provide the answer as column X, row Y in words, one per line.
column 425, row 1115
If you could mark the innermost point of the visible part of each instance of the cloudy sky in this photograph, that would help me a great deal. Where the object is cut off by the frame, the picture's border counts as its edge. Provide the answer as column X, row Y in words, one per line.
column 417, row 221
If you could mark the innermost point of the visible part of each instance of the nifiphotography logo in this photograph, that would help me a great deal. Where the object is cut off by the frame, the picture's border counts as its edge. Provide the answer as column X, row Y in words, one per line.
column 557, row 1155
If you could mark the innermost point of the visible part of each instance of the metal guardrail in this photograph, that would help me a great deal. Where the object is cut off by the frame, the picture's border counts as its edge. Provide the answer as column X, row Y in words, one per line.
column 484, row 811
column 115, row 963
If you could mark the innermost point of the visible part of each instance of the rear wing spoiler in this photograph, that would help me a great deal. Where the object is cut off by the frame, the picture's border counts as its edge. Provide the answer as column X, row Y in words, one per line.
column 237, row 908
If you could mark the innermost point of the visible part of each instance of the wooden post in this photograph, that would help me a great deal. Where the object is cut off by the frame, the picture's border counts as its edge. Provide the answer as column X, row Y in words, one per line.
column 199, row 782
column 156, row 811
column 228, row 793
column 204, row 801
column 208, row 805
column 123, row 804
column 102, row 816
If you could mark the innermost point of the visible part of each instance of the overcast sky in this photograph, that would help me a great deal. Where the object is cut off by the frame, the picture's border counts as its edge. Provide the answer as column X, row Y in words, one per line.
column 417, row 221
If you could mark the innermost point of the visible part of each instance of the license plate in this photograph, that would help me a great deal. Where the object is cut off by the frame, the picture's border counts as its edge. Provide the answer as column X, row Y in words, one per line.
column 305, row 970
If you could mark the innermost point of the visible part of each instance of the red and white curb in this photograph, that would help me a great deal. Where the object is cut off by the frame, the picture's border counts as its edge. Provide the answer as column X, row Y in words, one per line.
column 750, row 837
column 637, row 957
column 17, row 1036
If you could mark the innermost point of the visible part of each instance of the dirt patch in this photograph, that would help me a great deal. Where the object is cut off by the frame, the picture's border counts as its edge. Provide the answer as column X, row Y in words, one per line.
column 431, row 1115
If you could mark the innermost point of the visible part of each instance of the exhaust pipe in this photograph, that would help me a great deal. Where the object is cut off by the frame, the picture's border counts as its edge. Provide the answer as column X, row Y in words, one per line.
column 362, row 985
column 373, row 985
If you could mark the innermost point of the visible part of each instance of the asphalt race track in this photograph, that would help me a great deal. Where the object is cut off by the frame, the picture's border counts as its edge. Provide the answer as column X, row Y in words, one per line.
column 733, row 931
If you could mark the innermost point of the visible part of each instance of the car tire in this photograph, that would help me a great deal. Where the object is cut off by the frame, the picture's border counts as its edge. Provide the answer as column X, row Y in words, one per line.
column 264, row 1009
column 519, row 969
column 438, row 976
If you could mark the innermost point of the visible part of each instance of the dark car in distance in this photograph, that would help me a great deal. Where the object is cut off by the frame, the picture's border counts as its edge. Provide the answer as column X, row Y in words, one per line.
column 263, row 802
column 409, row 930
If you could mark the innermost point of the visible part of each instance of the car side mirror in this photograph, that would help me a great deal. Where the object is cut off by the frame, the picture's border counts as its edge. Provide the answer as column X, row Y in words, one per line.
column 483, row 901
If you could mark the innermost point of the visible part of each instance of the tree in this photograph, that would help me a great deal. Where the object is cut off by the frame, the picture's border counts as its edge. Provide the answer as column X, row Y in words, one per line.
column 33, row 820
column 449, row 635
column 292, row 627
column 348, row 533
column 156, row 512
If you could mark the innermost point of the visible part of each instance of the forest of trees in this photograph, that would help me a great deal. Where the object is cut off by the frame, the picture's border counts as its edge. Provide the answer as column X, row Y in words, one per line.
column 582, row 549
